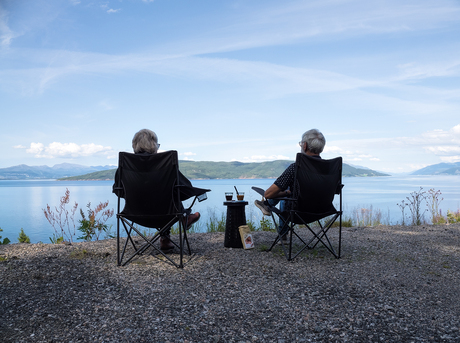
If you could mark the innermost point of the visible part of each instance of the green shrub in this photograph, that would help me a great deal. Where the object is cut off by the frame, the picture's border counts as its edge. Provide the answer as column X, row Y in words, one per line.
column 5, row 240
column 266, row 225
column 92, row 226
column 453, row 217
column 346, row 222
column 79, row 254
column 56, row 239
column 215, row 224
column 23, row 238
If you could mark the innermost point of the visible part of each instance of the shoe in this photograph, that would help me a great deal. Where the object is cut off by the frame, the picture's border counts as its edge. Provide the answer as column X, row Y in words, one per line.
column 283, row 240
column 264, row 208
column 192, row 219
column 166, row 244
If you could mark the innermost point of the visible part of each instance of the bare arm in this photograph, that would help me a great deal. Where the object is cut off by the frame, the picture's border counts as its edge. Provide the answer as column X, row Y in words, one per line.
column 275, row 192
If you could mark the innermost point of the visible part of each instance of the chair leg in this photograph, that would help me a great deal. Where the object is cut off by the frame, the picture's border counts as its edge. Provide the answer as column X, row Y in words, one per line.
column 142, row 249
column 321, row 236
column 181, row 244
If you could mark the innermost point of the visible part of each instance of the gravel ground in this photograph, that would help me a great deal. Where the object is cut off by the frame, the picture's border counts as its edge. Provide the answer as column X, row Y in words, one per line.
column 392, row 284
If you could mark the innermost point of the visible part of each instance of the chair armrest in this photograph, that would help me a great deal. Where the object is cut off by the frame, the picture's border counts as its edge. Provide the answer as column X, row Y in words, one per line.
column 199, row 191
column 262, row 192
column 259, row 190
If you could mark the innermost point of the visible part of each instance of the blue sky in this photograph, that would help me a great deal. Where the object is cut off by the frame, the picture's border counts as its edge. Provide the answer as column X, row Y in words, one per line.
column 230, row 80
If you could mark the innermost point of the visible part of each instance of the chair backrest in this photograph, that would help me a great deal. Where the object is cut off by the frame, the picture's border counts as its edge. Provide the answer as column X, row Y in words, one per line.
column 148, row 181
column 318, row 180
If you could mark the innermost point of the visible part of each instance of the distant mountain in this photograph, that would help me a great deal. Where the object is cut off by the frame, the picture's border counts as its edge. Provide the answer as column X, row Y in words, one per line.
column 230, row 170
column 24, row 172
column 439, row 169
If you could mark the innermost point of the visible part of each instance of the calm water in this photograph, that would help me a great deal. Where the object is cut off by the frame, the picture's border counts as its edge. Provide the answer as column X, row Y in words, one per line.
column 22, row 202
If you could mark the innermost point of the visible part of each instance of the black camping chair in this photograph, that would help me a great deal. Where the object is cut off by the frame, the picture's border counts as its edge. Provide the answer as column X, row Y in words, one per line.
column 317, row 181
column 149, row 183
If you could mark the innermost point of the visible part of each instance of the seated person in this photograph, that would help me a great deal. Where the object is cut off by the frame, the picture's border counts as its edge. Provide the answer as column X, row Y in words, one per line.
column 312, row 144
column 146, row 142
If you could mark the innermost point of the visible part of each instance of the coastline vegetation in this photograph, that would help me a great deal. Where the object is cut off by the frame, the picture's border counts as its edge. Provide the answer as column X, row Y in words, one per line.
column 93, row 225
column 5, row 240
column 23, row 238
column 205, row 170
column 413, row 210
column 63, row 221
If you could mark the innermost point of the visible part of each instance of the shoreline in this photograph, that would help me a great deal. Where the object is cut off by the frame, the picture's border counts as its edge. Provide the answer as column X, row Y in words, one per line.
column 392, row 284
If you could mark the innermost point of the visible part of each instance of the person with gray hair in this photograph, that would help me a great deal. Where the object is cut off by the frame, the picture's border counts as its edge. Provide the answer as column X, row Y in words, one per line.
column 312, row 144
column 145, row 142
column 315, row 142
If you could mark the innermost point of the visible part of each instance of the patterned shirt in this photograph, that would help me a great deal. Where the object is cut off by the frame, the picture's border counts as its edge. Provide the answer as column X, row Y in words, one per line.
column 286, row 180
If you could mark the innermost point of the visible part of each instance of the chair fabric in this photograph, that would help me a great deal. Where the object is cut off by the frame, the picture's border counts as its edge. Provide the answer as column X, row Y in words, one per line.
column 149, row 184
column 317, row 181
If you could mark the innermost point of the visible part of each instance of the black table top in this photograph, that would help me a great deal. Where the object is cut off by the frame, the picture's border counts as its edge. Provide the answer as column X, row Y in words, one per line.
column 235, row 203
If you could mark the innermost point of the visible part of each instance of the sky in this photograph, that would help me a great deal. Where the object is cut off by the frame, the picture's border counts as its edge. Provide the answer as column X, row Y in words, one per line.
column 230, row 80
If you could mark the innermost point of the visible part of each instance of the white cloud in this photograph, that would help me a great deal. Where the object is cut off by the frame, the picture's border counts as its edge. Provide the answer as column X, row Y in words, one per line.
column 266, row 27
column 187, row 155
column 450, row 159
column 35, row 148
column 6, row 34
column 349, row 154
column 443, row 150
column 438, row 145
column 67, row 150
column 435, row 69
column 278, row 79
column 113, row 10
column 19, row 146
column 442, row 142
column 456, row 129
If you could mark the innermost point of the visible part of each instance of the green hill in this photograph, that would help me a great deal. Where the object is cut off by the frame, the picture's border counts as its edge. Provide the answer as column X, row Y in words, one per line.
column 229, row 170
column 350, row 171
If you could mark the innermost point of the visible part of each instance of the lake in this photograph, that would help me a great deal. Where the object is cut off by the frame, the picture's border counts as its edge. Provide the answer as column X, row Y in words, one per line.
column 23, row 201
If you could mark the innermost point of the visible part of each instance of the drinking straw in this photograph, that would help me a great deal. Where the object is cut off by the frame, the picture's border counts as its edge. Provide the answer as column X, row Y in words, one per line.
column 236, row 191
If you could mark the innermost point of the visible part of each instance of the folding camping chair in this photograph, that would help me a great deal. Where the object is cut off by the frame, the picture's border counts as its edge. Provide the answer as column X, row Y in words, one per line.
column 317, row 181
column 149, row 185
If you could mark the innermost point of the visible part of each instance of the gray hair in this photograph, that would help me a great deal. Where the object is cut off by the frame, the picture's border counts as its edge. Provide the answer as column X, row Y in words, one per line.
column 315, row 141
column 145, row 141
